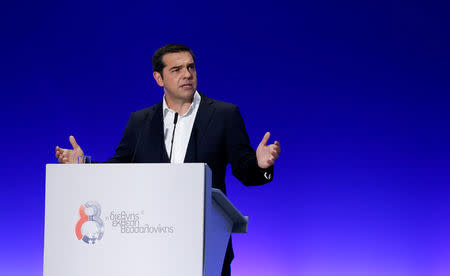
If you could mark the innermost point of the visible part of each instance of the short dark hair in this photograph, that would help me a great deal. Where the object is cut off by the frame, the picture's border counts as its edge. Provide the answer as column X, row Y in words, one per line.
column 157, row 62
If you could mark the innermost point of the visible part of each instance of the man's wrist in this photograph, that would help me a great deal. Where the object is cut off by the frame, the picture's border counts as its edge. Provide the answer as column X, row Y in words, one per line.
column 266, row 172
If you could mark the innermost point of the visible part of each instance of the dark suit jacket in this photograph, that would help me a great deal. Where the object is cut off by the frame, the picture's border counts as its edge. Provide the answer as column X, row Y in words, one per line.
column 218, row 138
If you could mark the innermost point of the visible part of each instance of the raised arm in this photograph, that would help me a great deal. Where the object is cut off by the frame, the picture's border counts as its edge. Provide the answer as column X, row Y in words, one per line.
column 250, row 167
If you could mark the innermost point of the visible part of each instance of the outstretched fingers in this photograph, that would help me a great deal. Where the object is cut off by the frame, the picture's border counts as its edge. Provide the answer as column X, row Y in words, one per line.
column 265, row 138
column 73, row 142
column 61, row 154
column 277, row 147
column 58, row 152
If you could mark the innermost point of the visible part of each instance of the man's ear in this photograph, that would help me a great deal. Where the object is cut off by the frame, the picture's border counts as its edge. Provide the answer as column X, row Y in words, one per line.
column 158, row 79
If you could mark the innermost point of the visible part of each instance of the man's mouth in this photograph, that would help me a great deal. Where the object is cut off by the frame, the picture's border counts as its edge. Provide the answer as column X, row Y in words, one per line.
column 187, row 85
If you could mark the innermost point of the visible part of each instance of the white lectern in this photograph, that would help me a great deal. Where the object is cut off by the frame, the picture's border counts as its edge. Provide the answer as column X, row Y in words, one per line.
column 136, row 219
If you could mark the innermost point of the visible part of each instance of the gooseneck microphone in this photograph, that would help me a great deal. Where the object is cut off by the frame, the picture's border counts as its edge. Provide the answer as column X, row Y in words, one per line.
column 175, row 120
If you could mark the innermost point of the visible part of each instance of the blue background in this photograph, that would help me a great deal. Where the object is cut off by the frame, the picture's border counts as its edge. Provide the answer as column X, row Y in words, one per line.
column 357, row 93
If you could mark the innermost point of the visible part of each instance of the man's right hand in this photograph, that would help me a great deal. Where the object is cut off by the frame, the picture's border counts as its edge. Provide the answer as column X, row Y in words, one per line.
column 68, row 156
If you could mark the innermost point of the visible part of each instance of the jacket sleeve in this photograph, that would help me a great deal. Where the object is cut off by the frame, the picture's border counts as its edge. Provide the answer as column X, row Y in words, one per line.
column 125, row 149
column 241, row 155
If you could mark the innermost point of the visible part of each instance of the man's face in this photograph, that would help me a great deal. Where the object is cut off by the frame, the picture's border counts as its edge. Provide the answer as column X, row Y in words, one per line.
column 179, row 78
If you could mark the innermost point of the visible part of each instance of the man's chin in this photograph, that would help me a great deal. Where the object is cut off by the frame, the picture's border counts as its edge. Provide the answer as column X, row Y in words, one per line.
column 187, row 94
column 188, row 91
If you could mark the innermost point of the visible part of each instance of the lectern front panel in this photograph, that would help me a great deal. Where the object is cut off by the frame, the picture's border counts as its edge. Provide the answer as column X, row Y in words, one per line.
column 124, row 219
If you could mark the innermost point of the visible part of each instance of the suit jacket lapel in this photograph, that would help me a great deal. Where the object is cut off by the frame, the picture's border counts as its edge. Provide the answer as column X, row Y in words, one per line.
column 202, row 121
column 155, row 150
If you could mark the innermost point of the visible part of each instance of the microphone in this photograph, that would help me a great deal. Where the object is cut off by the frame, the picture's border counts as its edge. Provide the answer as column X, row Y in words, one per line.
column 175, row 120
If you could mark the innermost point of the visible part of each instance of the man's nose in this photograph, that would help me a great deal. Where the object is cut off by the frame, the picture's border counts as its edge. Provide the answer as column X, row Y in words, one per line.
column 188, row 74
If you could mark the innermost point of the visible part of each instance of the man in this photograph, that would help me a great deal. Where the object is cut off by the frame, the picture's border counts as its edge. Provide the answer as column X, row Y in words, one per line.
column 187, row 126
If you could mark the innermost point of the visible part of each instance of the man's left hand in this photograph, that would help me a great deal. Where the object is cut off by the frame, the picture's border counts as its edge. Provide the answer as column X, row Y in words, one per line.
column 267, row 154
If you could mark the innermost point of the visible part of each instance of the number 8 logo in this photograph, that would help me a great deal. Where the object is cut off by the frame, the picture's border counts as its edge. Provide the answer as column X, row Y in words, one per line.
column 89, row 227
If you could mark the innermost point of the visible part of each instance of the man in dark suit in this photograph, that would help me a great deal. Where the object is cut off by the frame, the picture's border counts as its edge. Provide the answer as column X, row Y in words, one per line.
column 187, row 126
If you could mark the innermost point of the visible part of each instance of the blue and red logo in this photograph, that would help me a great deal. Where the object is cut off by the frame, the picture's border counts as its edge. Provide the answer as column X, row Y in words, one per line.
column 90, row 227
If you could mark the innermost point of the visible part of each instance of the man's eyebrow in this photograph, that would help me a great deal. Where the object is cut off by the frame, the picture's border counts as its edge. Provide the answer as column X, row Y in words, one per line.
column 176, row 67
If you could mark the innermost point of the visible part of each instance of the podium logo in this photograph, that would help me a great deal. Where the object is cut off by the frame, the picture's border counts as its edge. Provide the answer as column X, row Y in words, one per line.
column 130, row 223
column 89, row 227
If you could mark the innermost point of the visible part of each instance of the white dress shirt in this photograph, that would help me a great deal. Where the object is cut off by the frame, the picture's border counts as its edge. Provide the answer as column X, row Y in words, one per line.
column 182, row 131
